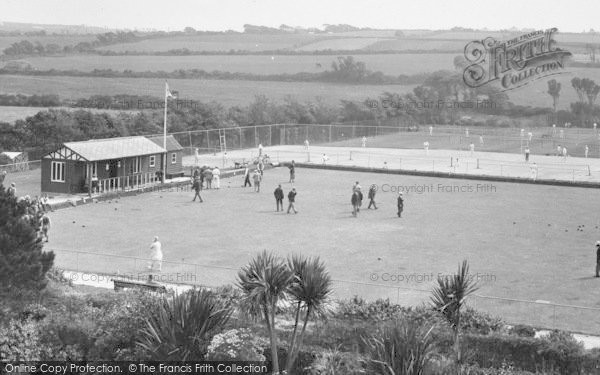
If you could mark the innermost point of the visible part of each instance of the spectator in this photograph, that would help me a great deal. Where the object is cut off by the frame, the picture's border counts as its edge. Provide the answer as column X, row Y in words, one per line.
column 216, row 173
column 156, row 257
column 364, row 141
column 534, row 171
column 12, row 189
column 2, row 177
column 325, row 158
column 197, row 186
column 278, row 197
column 372, row 191
column 256, row 177
column 306, row 144
column 45, row 222
column 247, row 176
column 431, row 130
column 597, row 258
column 426, row 147
column 400, row 204
column 260, row 149
column 260, row 166
column 530, row 136
column 208, row 176
column 196, row 156
column 481, row 139
column 526, row 154
column 472, row 148
column 292, row 201
column 564, row 152
column 355, row 203
column 292, row 168
column 587, row 150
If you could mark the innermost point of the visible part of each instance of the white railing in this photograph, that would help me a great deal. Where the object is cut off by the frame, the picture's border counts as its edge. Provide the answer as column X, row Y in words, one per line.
column 135, row 181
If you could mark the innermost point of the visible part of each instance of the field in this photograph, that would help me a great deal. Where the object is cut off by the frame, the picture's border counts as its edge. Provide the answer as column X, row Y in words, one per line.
column 219, row 42
column 257, row 64
column 11, row 114
column 526, row 248
column 226, row 92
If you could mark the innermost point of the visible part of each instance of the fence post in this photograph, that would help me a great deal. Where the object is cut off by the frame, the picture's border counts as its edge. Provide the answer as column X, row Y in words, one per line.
column 350, row 155
column 589, row 171
column 270, row 135
column 477, row 163
column 573, row 175
column 433, row 165
column 329, row 133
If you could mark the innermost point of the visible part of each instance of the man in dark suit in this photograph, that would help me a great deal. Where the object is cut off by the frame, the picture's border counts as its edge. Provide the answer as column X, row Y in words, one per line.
column 292, row 200
column 400, row 204
column 279, row 197
column 597, row 258
column 196, row 185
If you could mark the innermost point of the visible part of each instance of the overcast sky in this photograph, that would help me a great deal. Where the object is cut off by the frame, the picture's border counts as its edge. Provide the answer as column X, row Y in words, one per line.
column 572, row 15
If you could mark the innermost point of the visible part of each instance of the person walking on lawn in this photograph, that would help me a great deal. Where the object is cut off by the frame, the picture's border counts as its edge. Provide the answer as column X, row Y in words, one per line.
column 196, row 185
column 292, row 201
column 279, row 197
column 372, row 191
column 400, row 204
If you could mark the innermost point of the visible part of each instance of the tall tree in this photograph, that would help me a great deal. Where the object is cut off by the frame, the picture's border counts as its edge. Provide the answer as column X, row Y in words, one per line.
column 554, row 91
column 23, row 263
column 449, row 297
column 265, row 281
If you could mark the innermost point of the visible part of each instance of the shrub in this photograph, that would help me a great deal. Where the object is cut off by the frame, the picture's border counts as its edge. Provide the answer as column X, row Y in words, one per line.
column 522, row 331
column 334, row 362
column 358, row 308
column 118, row 329
column 236, row 345
column 403, row 349
column 183, row 325
column 474, row 321
column 19, row 341
column 558, row 352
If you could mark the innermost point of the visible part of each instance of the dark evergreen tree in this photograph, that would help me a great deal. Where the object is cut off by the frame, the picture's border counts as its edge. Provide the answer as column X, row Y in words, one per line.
column 23, row 263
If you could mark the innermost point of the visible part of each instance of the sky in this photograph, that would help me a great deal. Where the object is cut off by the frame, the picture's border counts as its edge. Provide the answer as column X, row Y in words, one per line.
column 217, row 15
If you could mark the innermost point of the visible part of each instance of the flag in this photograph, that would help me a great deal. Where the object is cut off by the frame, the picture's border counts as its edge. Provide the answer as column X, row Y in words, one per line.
column 169, row 93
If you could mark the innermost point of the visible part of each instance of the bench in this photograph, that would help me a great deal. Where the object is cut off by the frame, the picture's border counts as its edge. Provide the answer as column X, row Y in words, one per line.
column 121, row 284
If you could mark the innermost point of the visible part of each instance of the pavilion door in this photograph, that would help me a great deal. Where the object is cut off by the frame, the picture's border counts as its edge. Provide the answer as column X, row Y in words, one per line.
column 113, row 168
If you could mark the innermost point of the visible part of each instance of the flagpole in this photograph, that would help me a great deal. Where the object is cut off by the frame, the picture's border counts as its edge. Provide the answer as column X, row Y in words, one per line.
column 165, row 136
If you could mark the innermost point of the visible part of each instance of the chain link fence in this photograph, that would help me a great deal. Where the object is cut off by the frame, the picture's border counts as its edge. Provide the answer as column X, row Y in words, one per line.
column 92, row 268
column 540, row 141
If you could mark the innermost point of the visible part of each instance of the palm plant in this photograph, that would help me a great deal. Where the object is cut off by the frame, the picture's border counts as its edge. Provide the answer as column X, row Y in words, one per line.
column 183, row 325
column 449, row 297
column 265, row 281
column 403, row 349
column 310, row 290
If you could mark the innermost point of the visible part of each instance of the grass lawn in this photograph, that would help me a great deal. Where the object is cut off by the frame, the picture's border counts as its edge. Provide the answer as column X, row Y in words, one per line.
column 521, row 240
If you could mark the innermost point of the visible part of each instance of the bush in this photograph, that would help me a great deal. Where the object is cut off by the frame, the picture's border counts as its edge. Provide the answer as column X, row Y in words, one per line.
column 334, row 362
column 522, row 331
column 117, row 330
column 559, row 352
column 358, row 308
column 473, row 321
column 404, row 349
column 19, row 341
column 236, row 345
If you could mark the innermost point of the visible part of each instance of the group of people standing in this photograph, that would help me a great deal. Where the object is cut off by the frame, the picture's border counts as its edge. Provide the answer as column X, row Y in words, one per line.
column 205, row 177
column 357, row 198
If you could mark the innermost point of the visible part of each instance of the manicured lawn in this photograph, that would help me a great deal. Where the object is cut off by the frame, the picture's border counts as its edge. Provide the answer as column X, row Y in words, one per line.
column 521, row 240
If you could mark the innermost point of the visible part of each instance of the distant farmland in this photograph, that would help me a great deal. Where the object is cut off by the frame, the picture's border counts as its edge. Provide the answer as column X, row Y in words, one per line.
column 224, row 92
column 391, row 64
column 218, row 42
column 12, row 114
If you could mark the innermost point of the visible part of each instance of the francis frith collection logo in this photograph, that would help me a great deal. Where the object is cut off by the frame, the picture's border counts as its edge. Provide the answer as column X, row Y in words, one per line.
column 515, row 62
